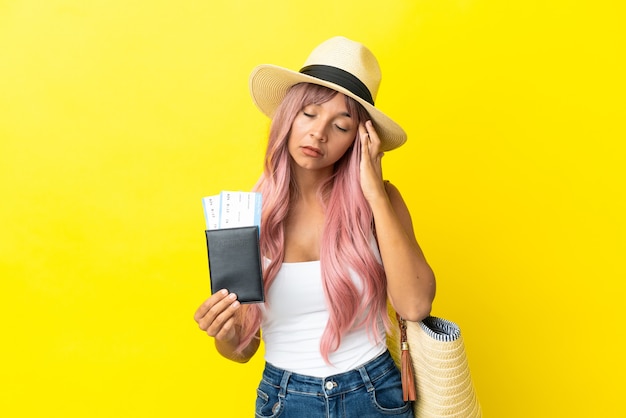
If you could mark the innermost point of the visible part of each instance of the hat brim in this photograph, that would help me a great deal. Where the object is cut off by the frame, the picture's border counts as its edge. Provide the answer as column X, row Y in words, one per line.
column 269, row 85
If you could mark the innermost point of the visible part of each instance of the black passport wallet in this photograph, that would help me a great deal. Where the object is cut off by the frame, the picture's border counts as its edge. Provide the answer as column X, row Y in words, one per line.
column 235, row 262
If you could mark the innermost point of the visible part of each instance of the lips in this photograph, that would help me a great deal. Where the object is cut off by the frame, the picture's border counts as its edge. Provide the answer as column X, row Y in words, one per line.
column 311, row 151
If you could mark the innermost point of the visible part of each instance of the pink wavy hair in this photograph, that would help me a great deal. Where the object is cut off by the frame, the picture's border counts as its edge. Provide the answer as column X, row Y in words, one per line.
column 348, row 230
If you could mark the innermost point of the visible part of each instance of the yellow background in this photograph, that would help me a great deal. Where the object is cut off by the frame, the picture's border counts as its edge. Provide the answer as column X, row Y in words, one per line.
column 117, row 116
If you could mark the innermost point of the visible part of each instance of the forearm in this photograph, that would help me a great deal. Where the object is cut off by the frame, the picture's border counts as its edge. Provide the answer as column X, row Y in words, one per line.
column 410, row 280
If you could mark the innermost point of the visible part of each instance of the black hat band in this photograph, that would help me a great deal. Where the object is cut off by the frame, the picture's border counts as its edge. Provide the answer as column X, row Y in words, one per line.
column 341, row 78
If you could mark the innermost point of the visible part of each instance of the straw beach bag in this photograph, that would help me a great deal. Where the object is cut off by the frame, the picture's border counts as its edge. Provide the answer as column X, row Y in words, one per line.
column 435, row 372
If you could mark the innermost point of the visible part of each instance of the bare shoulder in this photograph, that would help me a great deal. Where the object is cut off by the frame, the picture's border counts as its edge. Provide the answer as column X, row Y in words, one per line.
column 395, row 197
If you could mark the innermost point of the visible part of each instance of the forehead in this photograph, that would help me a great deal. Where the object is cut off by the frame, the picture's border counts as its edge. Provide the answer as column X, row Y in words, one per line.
column 337, row 103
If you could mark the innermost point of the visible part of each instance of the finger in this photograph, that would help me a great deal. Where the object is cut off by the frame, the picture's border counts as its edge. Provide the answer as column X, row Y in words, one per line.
column 209, row 303
column 226, row 331
column 221, row 306
column 374, row 140
column 367, row 136
column 224, row 322
column 218, row 312
column 363, row 134
column 364, row 145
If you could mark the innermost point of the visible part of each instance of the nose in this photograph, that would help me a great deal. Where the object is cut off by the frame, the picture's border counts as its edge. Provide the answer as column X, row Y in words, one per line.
column 317, row 136
column 318, row 131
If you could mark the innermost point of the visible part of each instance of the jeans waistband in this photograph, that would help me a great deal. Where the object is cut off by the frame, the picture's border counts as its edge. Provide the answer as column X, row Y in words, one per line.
column 331, row 385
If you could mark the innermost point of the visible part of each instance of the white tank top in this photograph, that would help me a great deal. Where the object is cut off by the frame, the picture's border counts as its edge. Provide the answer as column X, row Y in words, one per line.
column 295, row 318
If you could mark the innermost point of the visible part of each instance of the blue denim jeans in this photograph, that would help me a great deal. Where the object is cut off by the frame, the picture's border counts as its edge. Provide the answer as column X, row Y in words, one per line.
column 372, row 390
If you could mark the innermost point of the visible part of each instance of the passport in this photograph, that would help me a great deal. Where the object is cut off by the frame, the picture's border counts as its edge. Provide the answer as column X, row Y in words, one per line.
column 235, row 262
column 232, row 236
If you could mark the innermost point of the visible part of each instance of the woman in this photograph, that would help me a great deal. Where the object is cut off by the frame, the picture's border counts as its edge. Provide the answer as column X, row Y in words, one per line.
column 338, row 243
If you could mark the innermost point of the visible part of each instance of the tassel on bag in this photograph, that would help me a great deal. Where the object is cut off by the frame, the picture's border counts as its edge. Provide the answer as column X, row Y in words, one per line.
column 408, row 375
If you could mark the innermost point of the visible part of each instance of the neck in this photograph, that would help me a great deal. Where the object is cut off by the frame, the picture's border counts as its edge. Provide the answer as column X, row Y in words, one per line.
column 309, row 181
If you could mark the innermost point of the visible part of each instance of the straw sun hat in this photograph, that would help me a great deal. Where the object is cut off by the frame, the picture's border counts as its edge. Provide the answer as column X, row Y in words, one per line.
column 340, row 64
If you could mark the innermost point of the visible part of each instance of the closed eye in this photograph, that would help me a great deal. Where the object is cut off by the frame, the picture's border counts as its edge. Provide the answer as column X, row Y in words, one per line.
column 341, row 129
